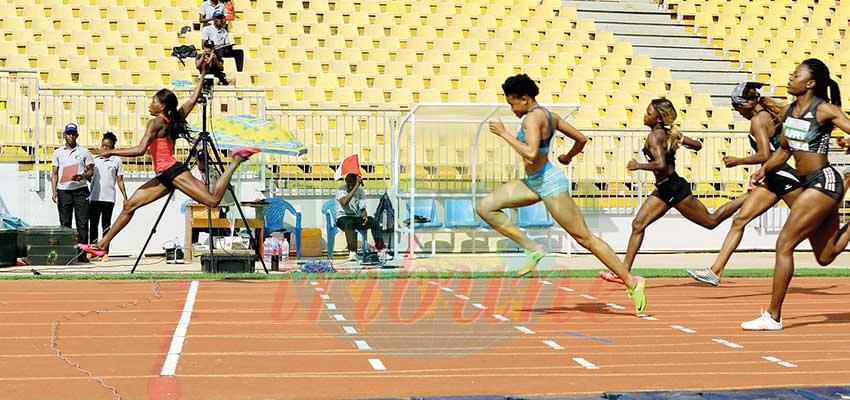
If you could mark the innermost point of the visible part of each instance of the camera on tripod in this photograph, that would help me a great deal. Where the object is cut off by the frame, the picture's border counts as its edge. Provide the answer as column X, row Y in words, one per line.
column 207, row 87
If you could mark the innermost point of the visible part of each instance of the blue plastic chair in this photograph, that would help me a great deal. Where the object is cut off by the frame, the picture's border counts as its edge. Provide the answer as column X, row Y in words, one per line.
column 460, row 213
column 329, row 211
column 274, row 215
column 534, row 216
column 425, row 208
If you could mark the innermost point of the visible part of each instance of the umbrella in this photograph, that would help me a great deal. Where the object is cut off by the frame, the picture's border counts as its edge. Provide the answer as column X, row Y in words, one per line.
column 233, row 131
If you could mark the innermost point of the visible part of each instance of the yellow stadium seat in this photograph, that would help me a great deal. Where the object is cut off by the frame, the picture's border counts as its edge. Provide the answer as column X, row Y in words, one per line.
column 79, row 63
column 373, row 97
column 90, row 78
column 431, row 95
column 413, row 83
column 401, row 97
column 59, row 77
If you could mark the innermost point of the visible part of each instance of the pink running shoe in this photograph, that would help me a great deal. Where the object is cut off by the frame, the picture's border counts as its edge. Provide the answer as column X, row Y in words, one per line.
column 246, row 152
column 92, row 249
column 610, row 277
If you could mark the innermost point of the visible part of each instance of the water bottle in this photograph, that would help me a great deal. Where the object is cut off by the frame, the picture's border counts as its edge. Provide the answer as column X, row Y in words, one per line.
column 284, row 253
column 268, row 245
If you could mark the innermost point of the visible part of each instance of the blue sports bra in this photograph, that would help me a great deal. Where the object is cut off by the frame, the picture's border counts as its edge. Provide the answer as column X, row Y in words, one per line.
column 544, row 143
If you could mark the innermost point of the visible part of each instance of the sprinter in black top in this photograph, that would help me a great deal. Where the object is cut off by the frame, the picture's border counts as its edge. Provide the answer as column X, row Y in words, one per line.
column 807, row 127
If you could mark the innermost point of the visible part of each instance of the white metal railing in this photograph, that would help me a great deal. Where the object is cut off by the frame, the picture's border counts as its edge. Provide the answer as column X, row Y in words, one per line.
column 330, row 135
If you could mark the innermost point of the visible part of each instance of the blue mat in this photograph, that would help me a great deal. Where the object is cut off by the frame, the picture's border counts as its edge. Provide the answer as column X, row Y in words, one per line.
column 811, row 393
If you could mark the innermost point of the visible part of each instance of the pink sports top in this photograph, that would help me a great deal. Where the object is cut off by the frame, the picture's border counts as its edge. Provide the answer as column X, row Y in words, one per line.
column 162, row 151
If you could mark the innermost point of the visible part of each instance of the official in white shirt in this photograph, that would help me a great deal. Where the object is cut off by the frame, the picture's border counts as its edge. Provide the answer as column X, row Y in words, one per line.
column 72, row 166
column 208, row 8
column 217, row 33
column 107, row 172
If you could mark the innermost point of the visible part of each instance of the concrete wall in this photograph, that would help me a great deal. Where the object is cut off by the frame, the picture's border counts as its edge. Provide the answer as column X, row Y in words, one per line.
column 670, row 233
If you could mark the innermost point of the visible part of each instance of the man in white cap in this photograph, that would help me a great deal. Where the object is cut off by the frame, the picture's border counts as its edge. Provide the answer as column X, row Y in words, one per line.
column 73, row 165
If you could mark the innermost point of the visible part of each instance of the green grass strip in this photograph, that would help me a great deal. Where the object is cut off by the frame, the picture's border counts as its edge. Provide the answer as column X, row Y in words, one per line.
column 402, row 274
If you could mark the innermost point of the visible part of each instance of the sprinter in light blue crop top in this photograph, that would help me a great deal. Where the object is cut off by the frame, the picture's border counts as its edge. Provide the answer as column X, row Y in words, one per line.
column 545, row 182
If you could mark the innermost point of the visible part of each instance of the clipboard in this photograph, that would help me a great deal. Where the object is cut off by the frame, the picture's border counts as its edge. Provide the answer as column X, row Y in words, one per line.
column 68, row 173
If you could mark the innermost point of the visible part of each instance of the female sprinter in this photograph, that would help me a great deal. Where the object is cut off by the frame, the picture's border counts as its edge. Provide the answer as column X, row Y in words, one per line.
column 545, row 182
column 162, row 131
column 807, row 127
column 765, row 115
column 671, row 190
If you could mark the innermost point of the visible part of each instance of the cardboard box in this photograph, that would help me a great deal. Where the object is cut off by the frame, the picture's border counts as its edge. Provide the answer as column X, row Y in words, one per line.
column 311, row 242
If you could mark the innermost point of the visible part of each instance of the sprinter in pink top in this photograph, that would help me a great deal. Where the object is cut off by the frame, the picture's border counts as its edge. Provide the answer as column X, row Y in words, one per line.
column 162, row 131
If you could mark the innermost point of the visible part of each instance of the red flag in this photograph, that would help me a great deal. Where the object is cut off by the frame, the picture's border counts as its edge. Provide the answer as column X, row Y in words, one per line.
column 350, row 165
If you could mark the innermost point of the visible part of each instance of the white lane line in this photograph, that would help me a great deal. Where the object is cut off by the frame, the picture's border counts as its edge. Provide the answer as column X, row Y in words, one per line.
column 728, row 343
column 339, row 317
column 377, row 365
column 320, row 290
column 589, row 297
column 566, row 289
column 447, row 289
column 169, row 367
column 546, row 282
column 647, row 317
column 683, row 329
column 783, row 363
column 553, row 345
column 362, row 345
column 434, row 283
column 314, row 283
column 616, row 306
column 585, row 363
column 479, row 306
column 324, row 296
column 524, row 330
column 330, row 306
column 350, row 330
column 462, row 297
column 500, row 317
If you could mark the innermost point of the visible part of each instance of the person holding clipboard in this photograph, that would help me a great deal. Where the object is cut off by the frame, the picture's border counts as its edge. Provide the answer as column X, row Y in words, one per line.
column 73, row 165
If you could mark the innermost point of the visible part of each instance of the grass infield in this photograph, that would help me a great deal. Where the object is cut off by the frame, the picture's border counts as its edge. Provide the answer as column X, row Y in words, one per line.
column 401, row 274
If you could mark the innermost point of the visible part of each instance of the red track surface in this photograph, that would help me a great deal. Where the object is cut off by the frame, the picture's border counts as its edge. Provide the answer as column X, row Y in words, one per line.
column 279, row 339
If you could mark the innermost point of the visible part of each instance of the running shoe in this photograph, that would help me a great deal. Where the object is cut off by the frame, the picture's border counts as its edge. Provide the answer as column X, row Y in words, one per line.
column 638, row 294
column 532, row 257
column 763, row 323
column 92, row 249
column 705, row 275
column 246, row 152
column 609, row 276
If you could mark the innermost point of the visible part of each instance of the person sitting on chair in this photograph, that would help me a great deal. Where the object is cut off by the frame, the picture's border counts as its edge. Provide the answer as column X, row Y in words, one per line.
column 218, row 34
column 352, row 216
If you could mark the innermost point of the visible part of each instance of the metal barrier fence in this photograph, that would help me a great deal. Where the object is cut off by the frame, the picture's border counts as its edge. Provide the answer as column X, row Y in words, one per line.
column 19, row 110
column 330, row 136
column 125, row 112
column 32, row 118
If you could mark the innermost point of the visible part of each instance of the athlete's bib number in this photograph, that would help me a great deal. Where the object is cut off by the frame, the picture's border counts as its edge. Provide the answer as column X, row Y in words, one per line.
column 797, row 133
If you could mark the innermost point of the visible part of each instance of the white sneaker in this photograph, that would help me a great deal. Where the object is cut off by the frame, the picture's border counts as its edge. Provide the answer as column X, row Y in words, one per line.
column 352, row 256
column 763, row 323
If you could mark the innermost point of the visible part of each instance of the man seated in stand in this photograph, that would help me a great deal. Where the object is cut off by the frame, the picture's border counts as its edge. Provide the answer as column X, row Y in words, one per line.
column 220, row 37
column 352, row 216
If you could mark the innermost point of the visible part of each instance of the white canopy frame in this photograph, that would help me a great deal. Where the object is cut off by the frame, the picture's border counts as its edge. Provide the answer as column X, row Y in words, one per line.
column 475, row 115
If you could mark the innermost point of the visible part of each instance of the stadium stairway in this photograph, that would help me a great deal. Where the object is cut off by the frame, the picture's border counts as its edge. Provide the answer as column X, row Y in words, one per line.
column 655, row 32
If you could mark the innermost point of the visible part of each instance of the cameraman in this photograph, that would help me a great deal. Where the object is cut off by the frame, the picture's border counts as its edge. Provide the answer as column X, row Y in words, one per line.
column 217, row 33
column 214, row 63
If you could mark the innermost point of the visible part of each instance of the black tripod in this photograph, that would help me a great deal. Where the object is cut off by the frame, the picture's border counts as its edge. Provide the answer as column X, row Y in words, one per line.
column 202, row 147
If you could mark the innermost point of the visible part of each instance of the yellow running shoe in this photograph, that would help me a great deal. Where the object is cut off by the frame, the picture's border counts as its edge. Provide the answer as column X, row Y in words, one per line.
column 638, row 294
column 531, row 260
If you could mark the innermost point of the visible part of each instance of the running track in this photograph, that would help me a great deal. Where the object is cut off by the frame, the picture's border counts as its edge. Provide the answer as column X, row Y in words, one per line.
column 383, row 338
